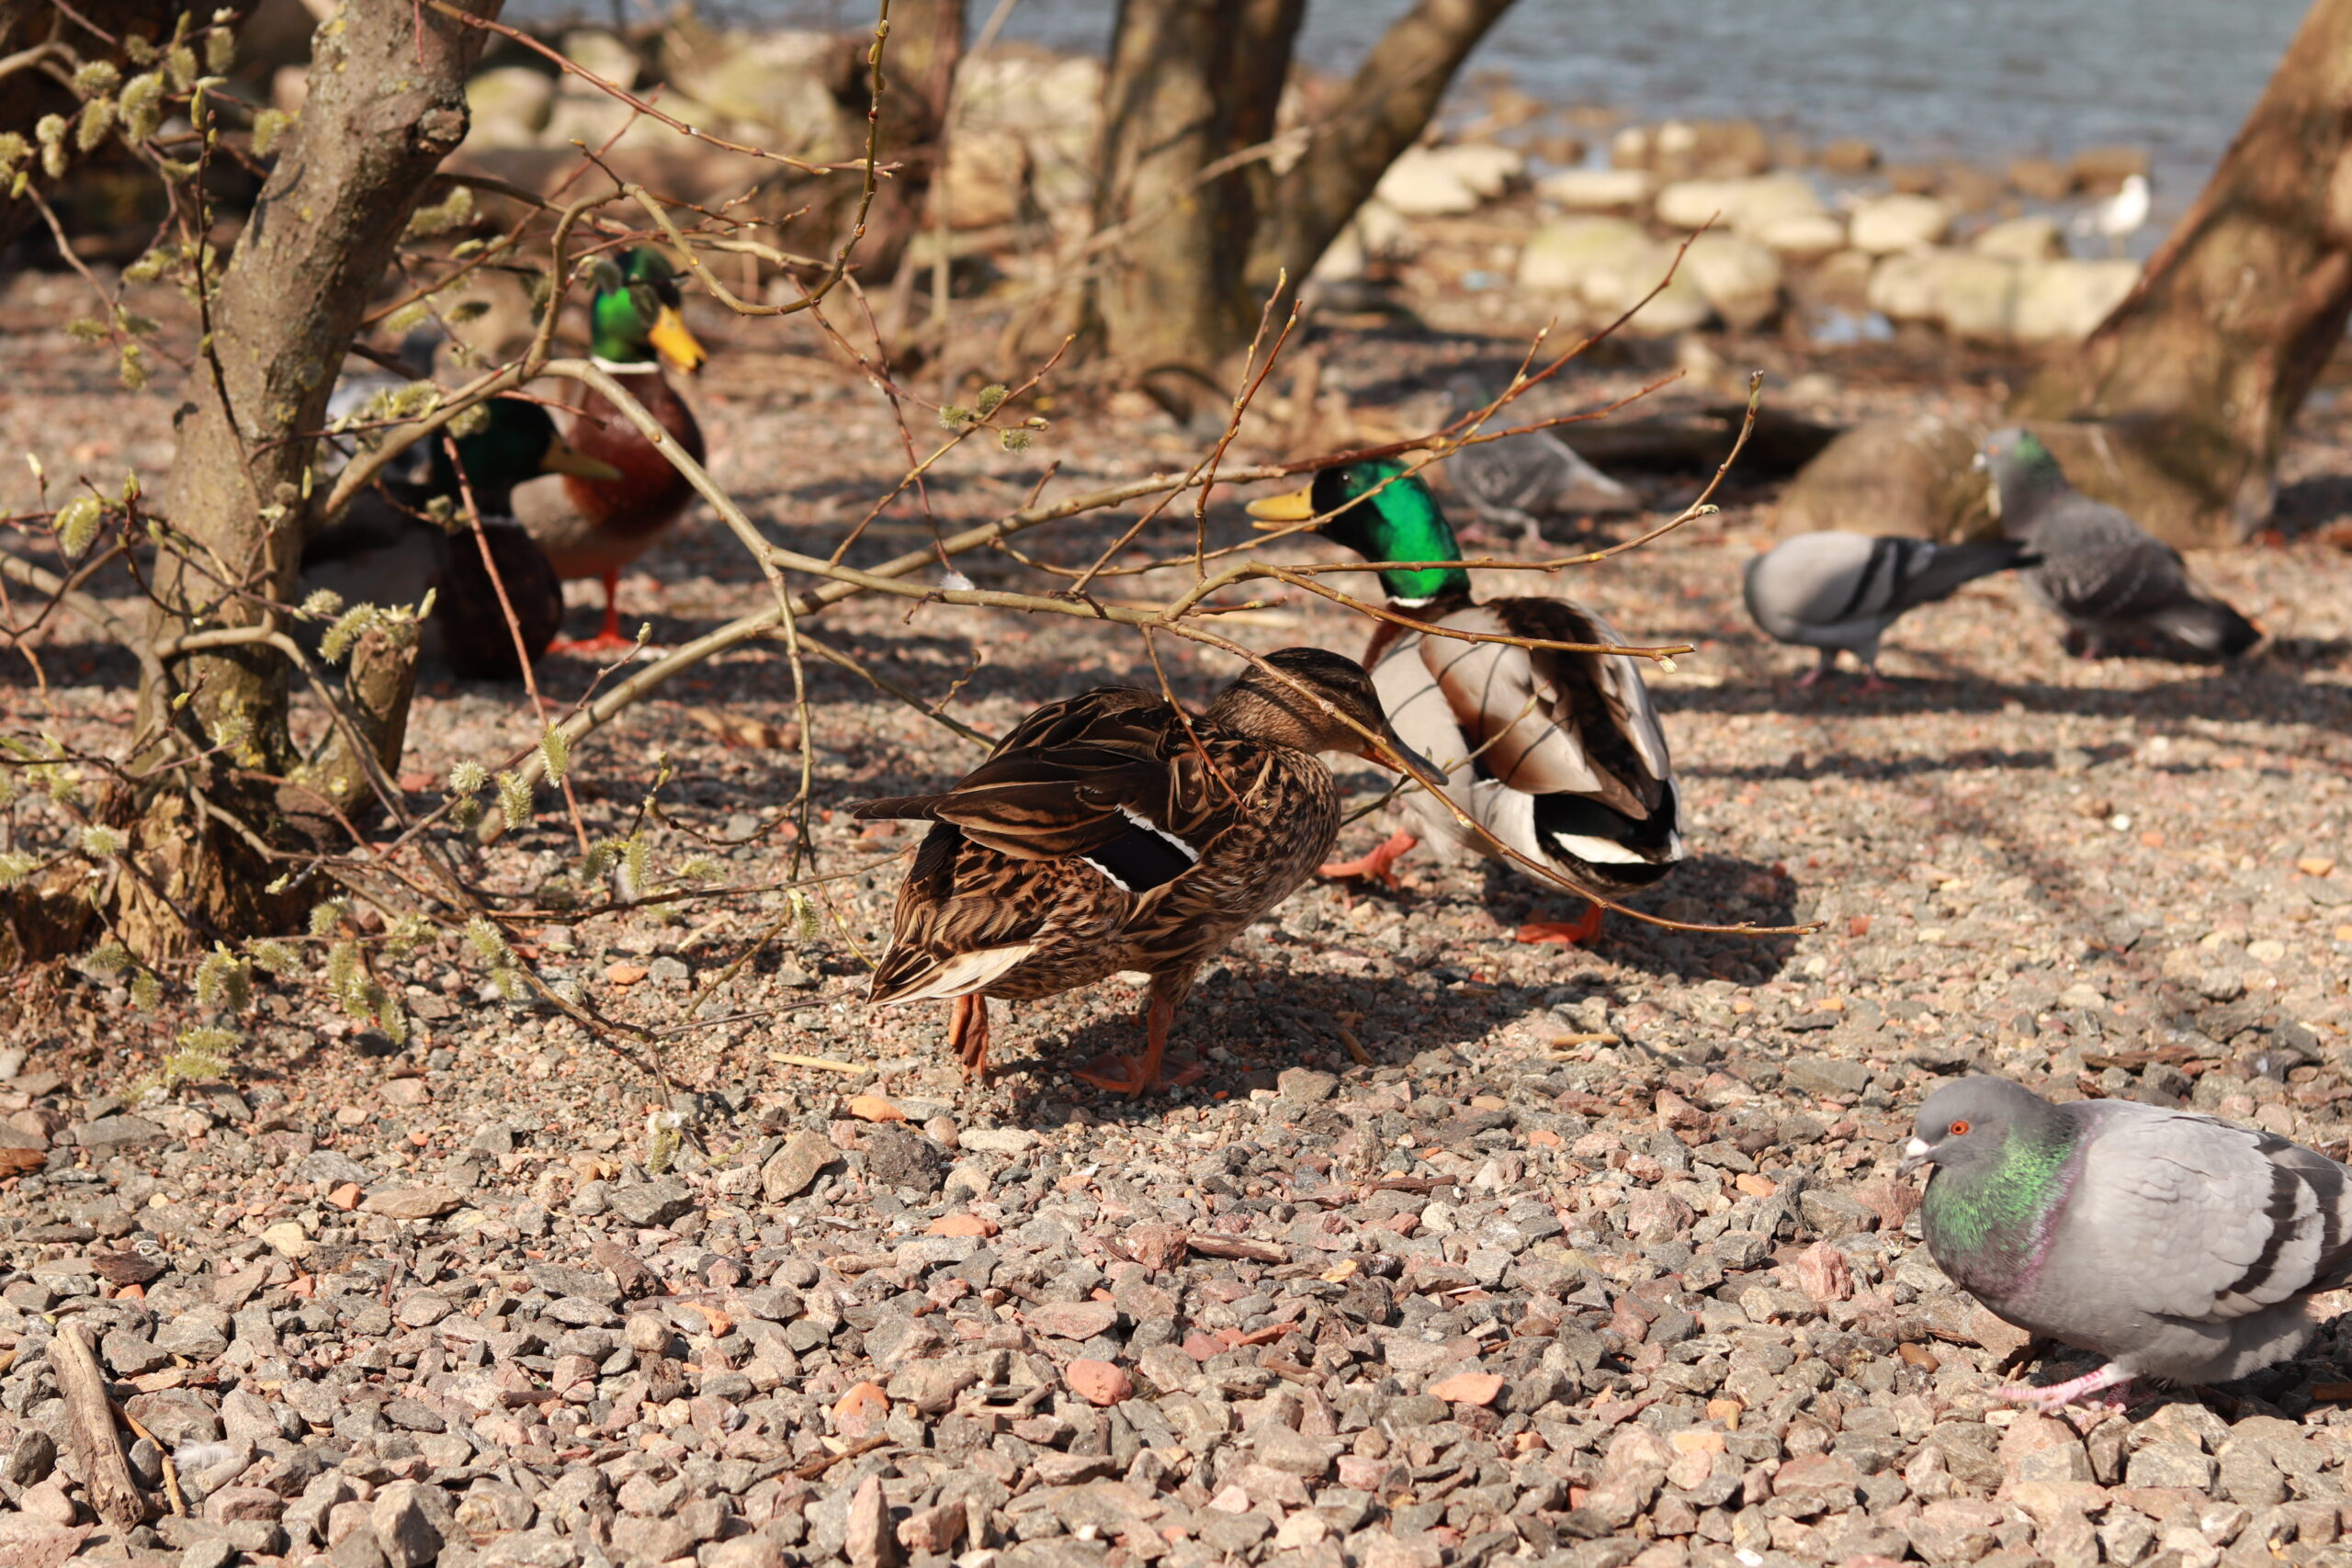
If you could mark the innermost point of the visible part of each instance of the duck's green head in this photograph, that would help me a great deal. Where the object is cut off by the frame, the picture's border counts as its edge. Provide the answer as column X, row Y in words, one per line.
column 633, row 312
column 515, row 441
column 1383, row 511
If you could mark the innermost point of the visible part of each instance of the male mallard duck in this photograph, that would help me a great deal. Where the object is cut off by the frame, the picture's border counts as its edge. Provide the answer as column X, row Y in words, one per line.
column 1558, row 755
column 1112, row 832
column 595, row 527
column 387, row 550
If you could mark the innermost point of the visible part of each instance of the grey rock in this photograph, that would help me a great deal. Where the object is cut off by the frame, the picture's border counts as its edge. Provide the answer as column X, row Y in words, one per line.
column 896, row 1158
column 31, row 1457
column 650, row 1204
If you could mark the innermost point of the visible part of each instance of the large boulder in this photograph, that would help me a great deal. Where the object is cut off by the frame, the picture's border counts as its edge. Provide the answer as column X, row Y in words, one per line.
column 1736, row 276
column 2065, row 301
column 1746, row 205
column 1607, row 263
column 1914, row 476
column 1977, row 297
column 1424, row 183
column 1908, row 287
column 1899, row 222
column 1597, row 190
column 780, row 86
column 1804, row 236
column 2030, row 239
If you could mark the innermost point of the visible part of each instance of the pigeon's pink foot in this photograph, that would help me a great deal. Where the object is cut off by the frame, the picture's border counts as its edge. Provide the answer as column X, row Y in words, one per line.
column 1379, row 865
column 1873, row 681
column 1810, row 679
column 2110, row 1381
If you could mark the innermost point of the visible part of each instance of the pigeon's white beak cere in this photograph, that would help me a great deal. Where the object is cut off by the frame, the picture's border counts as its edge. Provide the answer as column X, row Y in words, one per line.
column 1915, row 1154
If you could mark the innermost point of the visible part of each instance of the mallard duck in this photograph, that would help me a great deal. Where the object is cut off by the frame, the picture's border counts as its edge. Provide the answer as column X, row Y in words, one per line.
column 1111, row 832
column 595, row 527
column 388, row 551
column 1558, row 755
column 1833, row 590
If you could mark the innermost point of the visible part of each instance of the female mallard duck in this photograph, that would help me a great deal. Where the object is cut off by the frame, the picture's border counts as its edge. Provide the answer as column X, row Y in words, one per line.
column 1558, row 755
column 1112, row 832
column 388, row 549
column 595, row 527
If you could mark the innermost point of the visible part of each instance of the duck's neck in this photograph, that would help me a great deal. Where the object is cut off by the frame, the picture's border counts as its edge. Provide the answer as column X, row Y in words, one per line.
column 1422, row 535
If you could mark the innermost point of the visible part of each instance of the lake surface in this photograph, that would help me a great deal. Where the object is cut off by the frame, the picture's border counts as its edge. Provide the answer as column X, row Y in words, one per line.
column 1977, row 79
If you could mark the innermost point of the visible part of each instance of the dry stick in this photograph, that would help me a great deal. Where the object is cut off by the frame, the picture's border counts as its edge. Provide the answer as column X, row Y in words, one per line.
column 514, row 630
column 106, row 1470
column 171, row 1469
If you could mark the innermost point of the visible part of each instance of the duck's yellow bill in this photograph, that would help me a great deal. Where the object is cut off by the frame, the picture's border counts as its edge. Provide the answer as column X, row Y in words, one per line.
column 563, row 457
column 677, row 344
column 1281, row 510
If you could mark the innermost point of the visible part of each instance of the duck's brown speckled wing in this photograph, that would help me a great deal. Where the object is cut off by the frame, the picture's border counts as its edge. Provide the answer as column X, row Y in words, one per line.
column 1049, row 857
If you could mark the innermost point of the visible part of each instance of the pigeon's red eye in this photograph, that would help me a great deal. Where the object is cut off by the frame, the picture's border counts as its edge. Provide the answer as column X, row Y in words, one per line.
column 1958, row 1129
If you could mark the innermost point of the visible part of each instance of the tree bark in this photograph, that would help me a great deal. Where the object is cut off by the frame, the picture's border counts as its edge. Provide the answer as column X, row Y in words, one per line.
column 387, row 104
column 1190, row 81
column 2194, row 378
column 918, row 70
column 1384, row 111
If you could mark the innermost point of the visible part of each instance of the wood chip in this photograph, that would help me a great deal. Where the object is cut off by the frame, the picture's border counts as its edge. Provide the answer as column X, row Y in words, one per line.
column 105, row 1471
column 739, row 730
column 827, row 1063
column 873, row 1108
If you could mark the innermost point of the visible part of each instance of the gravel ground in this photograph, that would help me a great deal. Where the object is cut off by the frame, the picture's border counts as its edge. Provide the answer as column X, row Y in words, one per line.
column 1466, row 1251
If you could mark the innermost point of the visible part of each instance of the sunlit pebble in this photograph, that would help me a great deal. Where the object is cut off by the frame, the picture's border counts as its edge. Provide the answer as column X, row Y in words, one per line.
column 2119, row 821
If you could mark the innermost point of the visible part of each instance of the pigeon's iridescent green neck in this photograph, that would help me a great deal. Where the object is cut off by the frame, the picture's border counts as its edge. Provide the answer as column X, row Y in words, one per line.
column 1386, row 514
column 1993, row 1218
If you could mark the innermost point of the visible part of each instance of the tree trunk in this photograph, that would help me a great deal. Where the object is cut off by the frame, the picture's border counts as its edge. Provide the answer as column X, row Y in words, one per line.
column 1190, row 81
column 2194, row 378
column 918, row 70
column 387, row 104
column 1384, row 111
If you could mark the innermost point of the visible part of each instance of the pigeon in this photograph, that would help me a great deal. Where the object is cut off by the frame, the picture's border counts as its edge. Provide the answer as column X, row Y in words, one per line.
column 1833, row 590
column 1523, row 479
column 2180, row 1247
column 2104, row 575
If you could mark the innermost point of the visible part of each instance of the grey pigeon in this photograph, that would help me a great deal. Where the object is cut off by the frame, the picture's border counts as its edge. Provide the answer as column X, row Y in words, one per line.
column 2109, row 579
column 1835, row 590
column 2178, row 1247
column 1523, row 479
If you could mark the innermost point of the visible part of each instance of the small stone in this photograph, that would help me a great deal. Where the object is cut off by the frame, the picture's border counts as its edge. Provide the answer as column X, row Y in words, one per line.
column 1468, row 1388
column 1293, row 1454
column 870, row 1542
column 931, row 1386
column 657, row 1539
column 1304, row 1085
column 48, row 1503
column 1072, row 1320
column 1098, row 1383
column 1070, row 1470
column 409, row 1519
column 648, row 1204
column 997, row 1140
column 1158, row 1247
column 935, row 1530
column 791, row 1168
column 1821, row 1272
column 2170, row 1464
column 411, row 1202
column 31, row 1457
column 423, row 1309
column 859, row 1413
column 288, row 1239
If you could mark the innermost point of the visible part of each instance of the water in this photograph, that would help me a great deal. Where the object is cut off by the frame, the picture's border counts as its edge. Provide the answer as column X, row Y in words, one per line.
column 1981, row 81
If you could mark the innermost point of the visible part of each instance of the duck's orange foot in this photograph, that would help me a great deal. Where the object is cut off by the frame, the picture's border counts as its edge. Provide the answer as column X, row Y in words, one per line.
column 1568, row 934
column 1377, row 866
column 1118, row 1073
column 602, row 643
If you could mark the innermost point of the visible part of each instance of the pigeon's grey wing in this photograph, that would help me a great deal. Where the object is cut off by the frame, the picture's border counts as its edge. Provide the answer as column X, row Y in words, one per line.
column 2099, row 565
column 1923, row 575
column 2194, row 1218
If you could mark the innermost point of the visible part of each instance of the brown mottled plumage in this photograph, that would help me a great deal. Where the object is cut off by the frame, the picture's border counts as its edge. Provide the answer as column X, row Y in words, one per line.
column 1111, row 833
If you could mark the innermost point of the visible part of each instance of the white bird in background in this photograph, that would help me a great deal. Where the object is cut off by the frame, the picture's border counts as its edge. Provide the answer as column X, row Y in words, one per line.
column 2119, row 217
